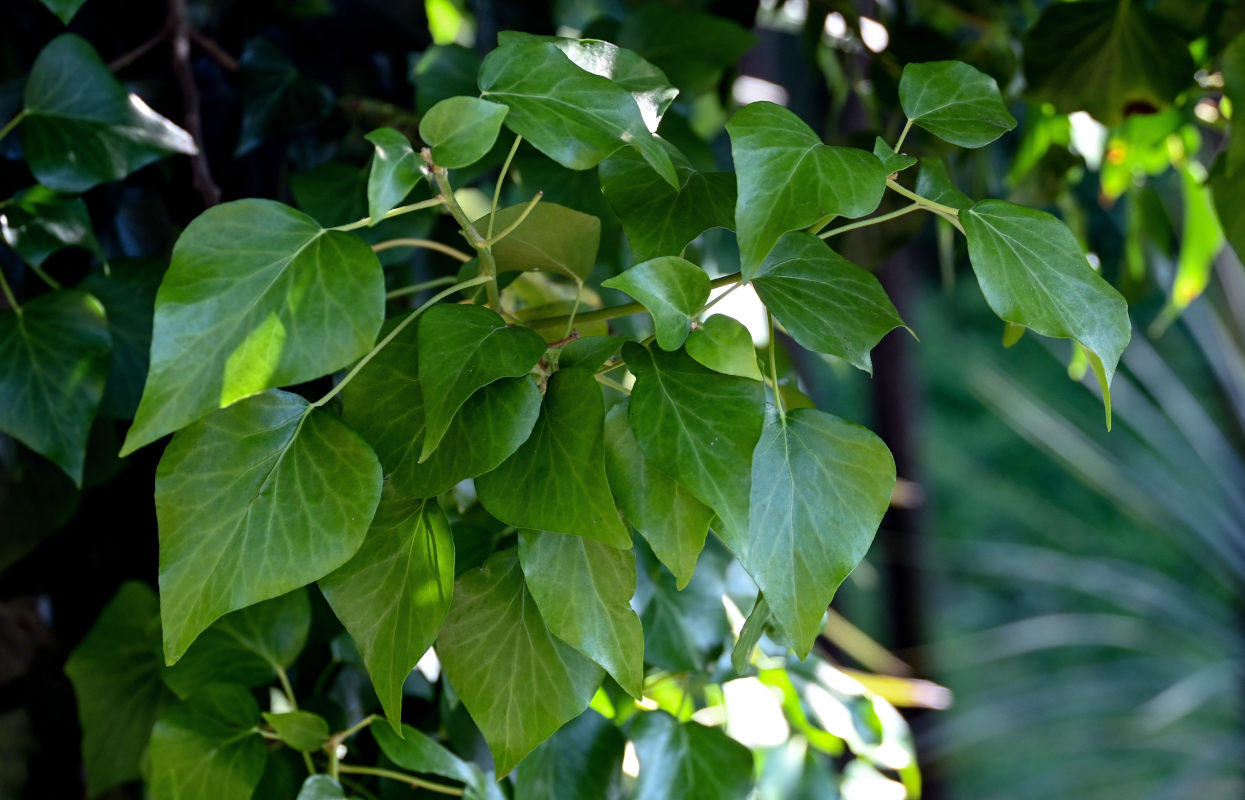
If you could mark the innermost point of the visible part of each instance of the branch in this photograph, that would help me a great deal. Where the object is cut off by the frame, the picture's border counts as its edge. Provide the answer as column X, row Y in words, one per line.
column 179, row 24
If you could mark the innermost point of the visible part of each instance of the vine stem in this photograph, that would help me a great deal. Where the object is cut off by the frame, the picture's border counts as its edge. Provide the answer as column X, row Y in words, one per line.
column 411, row 780
column 289, row 690
column 13, row 123
column 509, row 229
column 501, row 178
column 355, row 728
column 8, row 294
column 949, row 213
column 903, row 135
column 393, row 334
column 488, row 266
column 614, row 312
column 426, row 244
column 363, row 223
column 416, row 288
column 864, row 223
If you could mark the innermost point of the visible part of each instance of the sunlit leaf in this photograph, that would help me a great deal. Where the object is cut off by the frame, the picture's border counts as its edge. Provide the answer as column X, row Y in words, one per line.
column 955, row 102
column 39, row 222
column 552, row 238
column 461, row 130
column 723, row 344
column 672, row 289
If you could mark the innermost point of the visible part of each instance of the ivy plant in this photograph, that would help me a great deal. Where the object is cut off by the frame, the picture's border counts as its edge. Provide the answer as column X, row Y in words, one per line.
column 478, row 467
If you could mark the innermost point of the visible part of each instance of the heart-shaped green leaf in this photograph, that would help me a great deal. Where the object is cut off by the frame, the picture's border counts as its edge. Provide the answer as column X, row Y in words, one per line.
column 672, row 289
column 253, row 501
column 892, row 162
column 819, row 489
column 301, row 730
column 556, row 480
column 82, row 128
column 203, row 748
column 1033, row 273
column 395, row 172
column 954, row 102
column 688, row 761
column 788, row 179
column 53, row 363
column 257, row 295
column 584, row 590
column 461, row 130
column 461, row 349
column 552, row 238
column 495, row 647
column 582, row 761
column 723, row 344
column 321, row 787
column 934, row 182
column 394, row 593
column 574, row 117
column 827, row 303
column 413, row 750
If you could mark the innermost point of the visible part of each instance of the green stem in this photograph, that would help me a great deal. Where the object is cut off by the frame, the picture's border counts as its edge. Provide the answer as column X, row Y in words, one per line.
column 416, row 288
column 488, row 266
column 287, row 688
column 614, row 312
column 46, row 278
column 8, row 294
column 426, row 244
column 925, row 201
column 402, row 777
column 400, row 210
column 501, row 178
column 904, row 135
column 714, row 301
column 613, row 384
column 393, row 334
column 864, row 223
column 13, row 123
column 773, row 363
column 509, row 229
column 355, row 728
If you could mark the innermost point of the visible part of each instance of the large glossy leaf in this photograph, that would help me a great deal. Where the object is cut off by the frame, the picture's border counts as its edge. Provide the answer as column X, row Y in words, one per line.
column 394, row 593
column 246, row 647
column 258, row 295
column 584, row 589
column 463, row 348
column 128, row 292
column 724, row 344
column 788, row 179
column 395, row 171
column 205, row 748
column 53, row 363
column 699, row 427
column 461, row 130
column 672, row 289
column 574, row 117
column 495, row 648
column 1033, row 273
column 954, row 102
column 647, row 84
column 552, row 238
column 82, row 128
column 582, row 761
column 660, row 219
column 819, row 489
column 414, row 750
column 692, row 48
column 556, row 480
column 39, row 222
column 276, row 98
column 663, row 511
column 688, row 761
column 253, row 501
column 827, row 303
column 1110, row 59
column 115, row 671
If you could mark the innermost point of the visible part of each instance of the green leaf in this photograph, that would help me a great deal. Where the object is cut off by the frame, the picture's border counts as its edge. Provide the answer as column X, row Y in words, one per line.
column 65, row 9
column 691, row 47
column 688, row 761
column 574, row 117
column 38, row 222
column 827, row 303
column 301, row 730
column 662, row 510
column 128, row 292
column 684, row 629
column 461, row 349
column 556, row 480
column 819, row 489
column 590, row 352
column 892, row 162
column 1201, row 238
column 1110, row 59
column 583, row 589
column 252, row 502
column 321, row 787
column 934, row 182
column 660, row 219
column 394, row 593
column 415, row 751
column 204, row 748
column 1033, row 273
column 82, row 128
column 246, row 647
column 582, row 761
column 395, row 172
column 495, row 648
column 750, row 634
column 955, row 102
column 723, row 344
column 444, row 71
column 788, row 179
column 53, row 363
column 552, row 238
column 672, row 289
column 258, row 295
column 115, row 672
column 461, row 130
column 276, row 98
column 699, row 427
column 647, row 85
